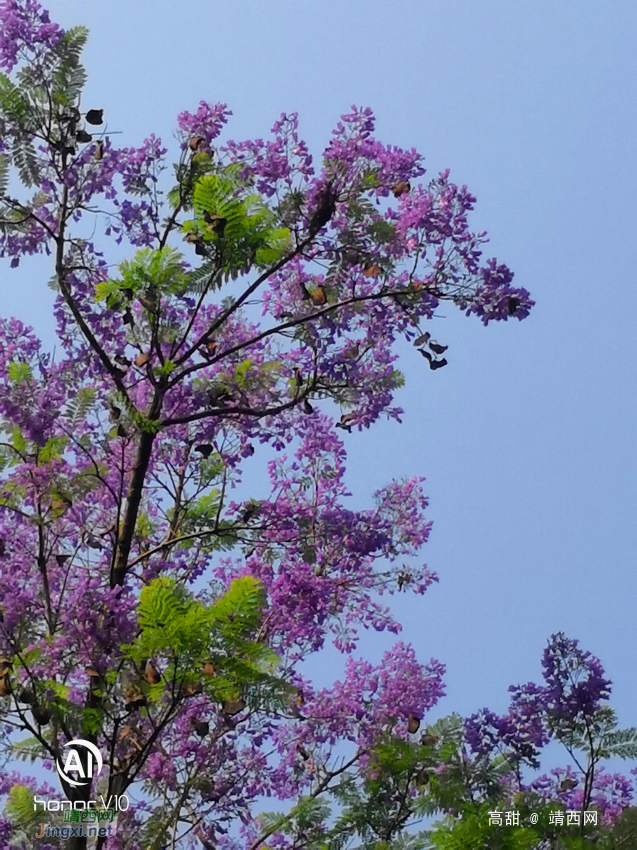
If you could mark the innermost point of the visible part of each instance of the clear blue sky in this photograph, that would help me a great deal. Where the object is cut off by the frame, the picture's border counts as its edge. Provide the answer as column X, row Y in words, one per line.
column 527, row 438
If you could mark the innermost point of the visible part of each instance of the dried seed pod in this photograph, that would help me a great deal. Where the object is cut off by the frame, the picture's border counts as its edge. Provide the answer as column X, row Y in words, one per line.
column 512, row 305
column 128, row 318
column 423, row 339
column 217, row 223
column 41, row 714
column 192, row 689
column 318, row 296
column 428, row 740
column 95, row 117
column 153, row 676
column 134, row 698
column 233, row 706
column 26, row 696
column 437, row 364
column 372, row 270
column 300, row 698
column 99, row 151
column 346, row 422
column 307, row 407
column 204, row 449
column 83, row 137
column 413, row 724
column 5, row 686
column 201, row 727
column 142, row 359
column 437, row 348
column 61, row 559
column 211, row 347
column 6, row 664
column 122, row 360
column 60, row 503
column 208, row 669
column 92, row 673
column 195, row 143
column 401, row 188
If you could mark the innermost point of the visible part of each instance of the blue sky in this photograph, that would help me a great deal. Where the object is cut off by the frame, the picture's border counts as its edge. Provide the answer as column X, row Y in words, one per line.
column 527, row 438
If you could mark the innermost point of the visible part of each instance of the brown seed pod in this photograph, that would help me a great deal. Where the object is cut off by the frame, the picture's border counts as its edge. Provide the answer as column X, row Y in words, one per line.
column 26, row 696
column 61, row 559
column 204, row 449
column 217, row 223
column 99, row 151
column 437, row 348
column 195, row 143
column 134, row 698
column 200, row 726
column 413, row 724
column 83, row 137
column 307, row 407
column 372, row 270
column 233, row 706
column 211, row 347
column 6, row 664
column 142, row 359
column 95, row 117
column 5, row 686
column 428, row 740
column 346, row 422
column 300, row 698
column 401, row 188
column 318, row 296
column 192, row 689
column 208, row 669
column 153, row 676
column 41, row 714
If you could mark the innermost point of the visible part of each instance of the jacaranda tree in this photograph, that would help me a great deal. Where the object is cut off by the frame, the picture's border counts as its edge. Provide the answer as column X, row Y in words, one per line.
column 242, row 301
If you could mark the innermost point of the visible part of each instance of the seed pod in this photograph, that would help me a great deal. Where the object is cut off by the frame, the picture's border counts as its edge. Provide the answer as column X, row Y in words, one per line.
column 61, row 559
column 217, row 223
column 400, row 188
column 437, row 364
column 208, row 669
column 512, row 304
column 6, row 664
column 195, row 143
column 60, row 503
column 567, row 784
column 123, row 361
column 26, row 696
column 5, row 686
column 423, row 339
column 134, row 698
column 95, row 117
column 211, row 346
column 3, row 547
column 41, row 714
column 233, row 706
column 307, row 407
column 205, row 450
column 192, row 689
column 99, row 151
column 346, row 422
column 83, row 137
column 142, row 359
column 437, row 348
column 318, row 296
column 153, row 676
column 372, row 270
column 300, row 698
column 428, row 740
column 413, row 724
column 200, row 726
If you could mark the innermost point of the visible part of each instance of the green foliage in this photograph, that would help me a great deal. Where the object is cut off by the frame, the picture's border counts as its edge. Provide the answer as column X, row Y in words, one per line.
column 186, row 634
column 79, row 408
column 148, row 273
column 20, row 373
column 237, row 230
